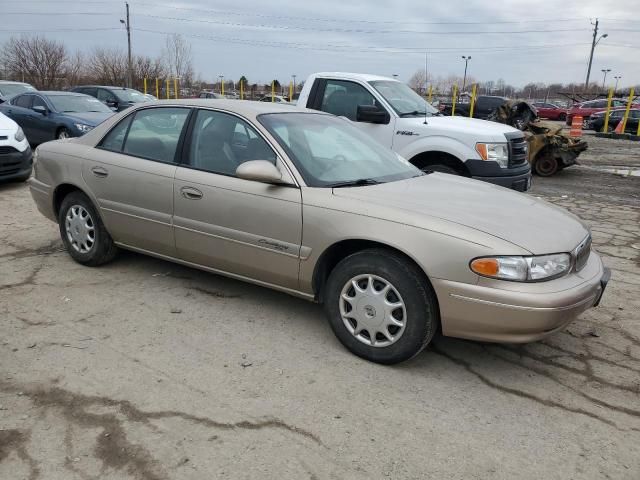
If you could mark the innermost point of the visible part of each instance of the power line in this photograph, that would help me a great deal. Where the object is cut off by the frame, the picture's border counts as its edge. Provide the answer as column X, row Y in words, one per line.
column 353, row 30
column 48, row 14
column 39, row 30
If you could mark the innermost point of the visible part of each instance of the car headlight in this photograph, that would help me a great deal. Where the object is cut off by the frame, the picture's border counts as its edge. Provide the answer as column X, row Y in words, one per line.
column 496, row 152
column 19, row 135
column 83, row 127
column 523, row 269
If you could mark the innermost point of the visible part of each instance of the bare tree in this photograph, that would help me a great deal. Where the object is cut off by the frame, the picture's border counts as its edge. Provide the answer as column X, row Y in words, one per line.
column 108, row 66
column 36, row 60
column 75, row 71
column 149, row 68
column 177, row 54
column 418, row 81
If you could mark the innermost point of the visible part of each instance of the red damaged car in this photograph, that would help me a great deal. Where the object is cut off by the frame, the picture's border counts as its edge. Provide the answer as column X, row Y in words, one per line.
column 550, row 111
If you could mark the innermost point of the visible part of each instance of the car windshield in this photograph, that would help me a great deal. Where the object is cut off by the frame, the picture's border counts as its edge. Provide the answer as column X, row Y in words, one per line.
column 130, row 95
column 77, row 104
column 11, row 89
column 402, row 99
column 329, row 151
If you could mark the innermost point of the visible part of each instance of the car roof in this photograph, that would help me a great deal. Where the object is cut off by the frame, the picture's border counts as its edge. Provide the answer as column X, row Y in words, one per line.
column 247, row 108
column 53, row 93
column 363, row 77
column 104, row 86
column 6, row 82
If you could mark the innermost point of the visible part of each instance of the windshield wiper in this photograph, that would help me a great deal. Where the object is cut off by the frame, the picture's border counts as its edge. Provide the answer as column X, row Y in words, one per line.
column 353, row 183
column 411, row 114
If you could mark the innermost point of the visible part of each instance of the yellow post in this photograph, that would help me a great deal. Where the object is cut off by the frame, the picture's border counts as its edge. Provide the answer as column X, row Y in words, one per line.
column 167, row 89
column 626, row 112
column 241, row 90
column 145, row 85
column 430, row 93
column 273, row 91
column 222, row 87
column 290, row 90
column 473, row 100
column 606, row 115
column 175, row 87
column 453, row 99
column 157, row 89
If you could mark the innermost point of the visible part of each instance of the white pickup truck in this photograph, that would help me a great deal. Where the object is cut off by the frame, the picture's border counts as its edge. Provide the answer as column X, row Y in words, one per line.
column 395, row 115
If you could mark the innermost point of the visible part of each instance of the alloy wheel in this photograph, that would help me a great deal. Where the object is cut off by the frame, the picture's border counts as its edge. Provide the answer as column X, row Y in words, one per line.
column 80, row 229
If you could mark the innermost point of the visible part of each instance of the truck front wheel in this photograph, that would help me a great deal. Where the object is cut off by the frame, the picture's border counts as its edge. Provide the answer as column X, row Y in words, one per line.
column 441, row 169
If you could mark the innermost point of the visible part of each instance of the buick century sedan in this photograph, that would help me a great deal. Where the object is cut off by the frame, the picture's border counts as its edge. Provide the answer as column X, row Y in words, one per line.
column 303, row 202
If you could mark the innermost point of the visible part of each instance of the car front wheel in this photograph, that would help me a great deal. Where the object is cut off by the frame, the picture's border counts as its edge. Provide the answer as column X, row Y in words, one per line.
column 381, row 306
column 83, row 233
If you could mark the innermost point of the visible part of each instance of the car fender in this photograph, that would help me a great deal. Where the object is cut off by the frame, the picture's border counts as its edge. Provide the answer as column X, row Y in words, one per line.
column 438, row 143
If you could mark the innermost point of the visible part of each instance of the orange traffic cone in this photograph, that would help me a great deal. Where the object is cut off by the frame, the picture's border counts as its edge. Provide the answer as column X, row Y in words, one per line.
column 619, row 127
column 576, row 127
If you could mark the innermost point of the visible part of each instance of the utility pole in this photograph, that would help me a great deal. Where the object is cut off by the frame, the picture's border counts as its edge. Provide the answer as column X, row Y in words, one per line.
column 127, row 24
column 593, row 47
column 466, row 62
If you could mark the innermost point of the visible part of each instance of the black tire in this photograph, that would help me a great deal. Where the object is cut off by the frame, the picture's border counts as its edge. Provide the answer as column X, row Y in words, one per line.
column 420, row 303
column 562, row 117
column 102, row 249
column 62, row 133
column 546, row 165
column 440, row 168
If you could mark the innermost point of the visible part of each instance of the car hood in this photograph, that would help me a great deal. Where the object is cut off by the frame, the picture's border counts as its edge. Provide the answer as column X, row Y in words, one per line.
column 483, row 129
column 7, row 125
column 89, row 118
column 521, row 219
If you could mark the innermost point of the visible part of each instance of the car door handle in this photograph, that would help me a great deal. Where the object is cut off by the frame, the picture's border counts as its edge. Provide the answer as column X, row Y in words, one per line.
column 99, row 172
column 191, row 193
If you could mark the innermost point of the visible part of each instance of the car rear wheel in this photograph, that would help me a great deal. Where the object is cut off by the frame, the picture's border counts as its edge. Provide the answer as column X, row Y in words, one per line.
column 546, row 165
column 83, row 233
column 380, row 306
column 63, row 133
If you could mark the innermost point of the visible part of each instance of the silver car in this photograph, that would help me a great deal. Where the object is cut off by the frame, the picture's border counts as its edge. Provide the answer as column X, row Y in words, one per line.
column 305, row 203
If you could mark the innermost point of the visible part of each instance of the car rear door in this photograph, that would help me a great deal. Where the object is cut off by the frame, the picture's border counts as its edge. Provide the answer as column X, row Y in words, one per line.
column 242, row 227
column 17, row 110
column 131, row 172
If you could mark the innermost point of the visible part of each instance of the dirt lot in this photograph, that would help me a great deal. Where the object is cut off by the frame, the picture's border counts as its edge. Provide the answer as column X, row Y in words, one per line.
column 147, row 370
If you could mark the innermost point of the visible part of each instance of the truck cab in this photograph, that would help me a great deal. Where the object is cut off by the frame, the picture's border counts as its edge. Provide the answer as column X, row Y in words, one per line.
column 400, row 119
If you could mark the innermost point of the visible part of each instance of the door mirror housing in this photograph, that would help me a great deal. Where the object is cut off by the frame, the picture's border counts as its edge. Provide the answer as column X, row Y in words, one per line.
column 40, row 109
column 112, row 104
column 259, row 171
column 372, row 114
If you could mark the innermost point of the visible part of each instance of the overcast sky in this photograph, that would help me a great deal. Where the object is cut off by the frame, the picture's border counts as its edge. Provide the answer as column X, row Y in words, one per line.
column 276, row 39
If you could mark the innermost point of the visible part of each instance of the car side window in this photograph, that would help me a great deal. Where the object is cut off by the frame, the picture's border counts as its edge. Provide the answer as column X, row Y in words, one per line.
column 342, row 98
column 23, row 101
column 39, row 102
column 221, row 142
column 115, row 138
column 106, row 96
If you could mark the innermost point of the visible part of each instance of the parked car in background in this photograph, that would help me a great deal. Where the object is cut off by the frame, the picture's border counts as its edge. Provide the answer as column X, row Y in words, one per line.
column 585, row 109
column 229, row 195
column 9, row 89
column 15, row 152
column 116, row 98
column 485, row 105
column 48, row 116
column 211, row 95
column 596, row 120
column 401, row 120
column 151, row 98
column 274, row 99
column 550, row 111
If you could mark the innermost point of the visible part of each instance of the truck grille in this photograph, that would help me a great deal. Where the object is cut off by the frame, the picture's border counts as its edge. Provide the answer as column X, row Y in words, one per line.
column 581, row 253
column 6, row 149
column 518, row 151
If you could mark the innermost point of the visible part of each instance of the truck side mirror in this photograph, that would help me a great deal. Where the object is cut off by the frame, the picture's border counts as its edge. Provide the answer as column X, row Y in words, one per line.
column 372, row 114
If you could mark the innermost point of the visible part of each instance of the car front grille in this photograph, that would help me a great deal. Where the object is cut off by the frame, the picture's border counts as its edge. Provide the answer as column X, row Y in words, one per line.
column 5, row 149
column 581, row 253
column 518, row 151
column 3, row 137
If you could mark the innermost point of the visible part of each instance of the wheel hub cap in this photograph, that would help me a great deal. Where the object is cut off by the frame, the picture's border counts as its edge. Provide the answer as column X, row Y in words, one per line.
column 80, row 229
column 373, row 310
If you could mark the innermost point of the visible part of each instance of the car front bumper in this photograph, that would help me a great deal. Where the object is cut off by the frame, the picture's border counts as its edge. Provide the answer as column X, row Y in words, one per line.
column 525, row 312
column 516, row 178
column 15, row 164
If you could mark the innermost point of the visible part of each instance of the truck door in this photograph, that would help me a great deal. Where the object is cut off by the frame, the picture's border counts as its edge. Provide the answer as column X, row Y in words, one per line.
column 342, row 98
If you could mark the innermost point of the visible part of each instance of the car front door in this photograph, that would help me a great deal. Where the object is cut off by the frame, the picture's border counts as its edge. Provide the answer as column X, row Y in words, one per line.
column 108, row 98
column 41, row 125
column 242, row 227
column 343, row 97
column 131, row 172
column 17, row 110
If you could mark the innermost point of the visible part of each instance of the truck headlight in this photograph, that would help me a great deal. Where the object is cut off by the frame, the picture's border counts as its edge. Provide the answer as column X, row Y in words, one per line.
column 19, row 135
column 496, row 152
column 523, row 269
column 83, row 127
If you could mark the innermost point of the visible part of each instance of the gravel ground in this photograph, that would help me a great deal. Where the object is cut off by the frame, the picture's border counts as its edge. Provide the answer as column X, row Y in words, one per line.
column 143, row 369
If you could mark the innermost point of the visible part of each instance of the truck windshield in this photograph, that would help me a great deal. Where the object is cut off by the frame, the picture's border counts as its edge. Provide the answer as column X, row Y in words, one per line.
column 402, row 99
column 330, row 152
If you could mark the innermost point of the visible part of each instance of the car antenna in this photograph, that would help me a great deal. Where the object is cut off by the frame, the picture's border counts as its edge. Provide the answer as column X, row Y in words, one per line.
column 426, row 84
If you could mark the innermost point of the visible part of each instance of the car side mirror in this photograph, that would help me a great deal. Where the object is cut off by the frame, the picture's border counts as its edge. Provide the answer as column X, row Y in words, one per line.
column 372, row 114
column 259, row 171
column 112, row 104
column 40, row 109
